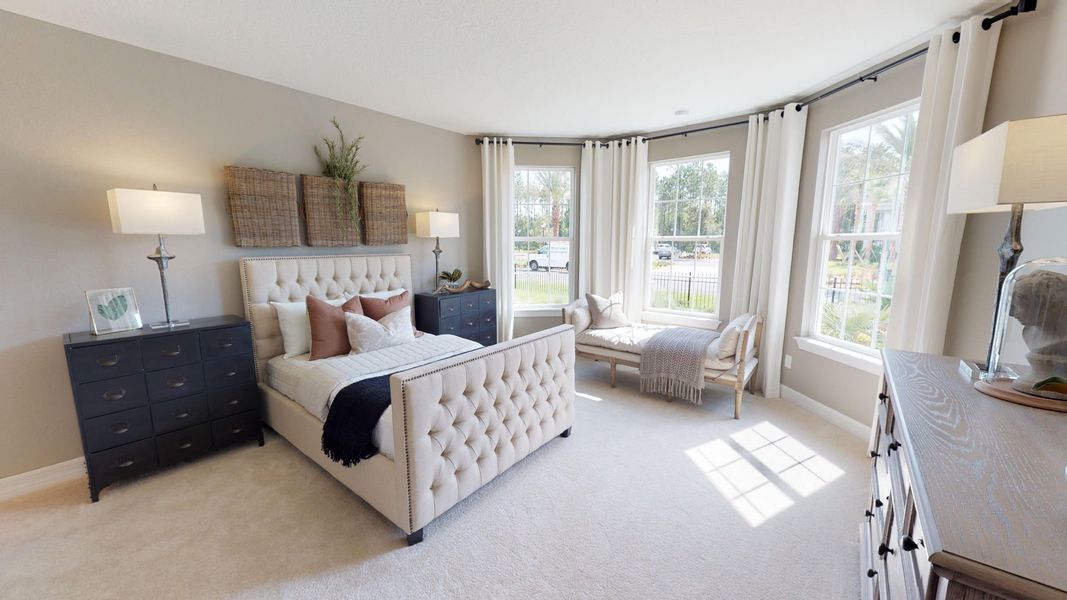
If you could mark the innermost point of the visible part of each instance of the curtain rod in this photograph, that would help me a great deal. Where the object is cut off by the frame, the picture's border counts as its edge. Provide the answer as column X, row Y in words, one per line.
column 1023, row 6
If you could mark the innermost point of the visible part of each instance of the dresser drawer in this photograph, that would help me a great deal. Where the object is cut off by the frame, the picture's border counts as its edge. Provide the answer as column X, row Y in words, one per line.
column 123, row 462
column 103, row 397
column 450, row 325
column 182, row 412
column 232, row 400
column 117, row 429
column 469, row 304
column 234, row 370
column 185, row 444
column 170, row 351
column 468, row 324
column 104, row 361
column 487, row 300
column 487, row 318
column 238, row 428
column 175, row 383
column 232, row 341
column 451, row 307
column 486, row 338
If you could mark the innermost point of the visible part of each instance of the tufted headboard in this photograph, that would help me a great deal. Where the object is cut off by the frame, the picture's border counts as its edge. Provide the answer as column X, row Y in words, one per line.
column 293, row 278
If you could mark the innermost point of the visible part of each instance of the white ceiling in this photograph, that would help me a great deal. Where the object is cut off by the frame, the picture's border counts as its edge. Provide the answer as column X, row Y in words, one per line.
column 536, row 68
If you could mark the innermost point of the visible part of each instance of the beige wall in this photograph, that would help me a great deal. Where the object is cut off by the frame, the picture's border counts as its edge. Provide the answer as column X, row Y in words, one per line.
column 845, row 389
column 80, row 115
column 1029, row 80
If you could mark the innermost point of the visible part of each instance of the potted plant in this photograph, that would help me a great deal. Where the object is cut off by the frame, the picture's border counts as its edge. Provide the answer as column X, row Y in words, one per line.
column 451, row 278
column 331, row 201
column 341, row 162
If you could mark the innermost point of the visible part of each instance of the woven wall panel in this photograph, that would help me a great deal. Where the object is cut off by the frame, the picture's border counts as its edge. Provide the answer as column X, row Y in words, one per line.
column 384, row 214
column 263, row 207
column 325, row 224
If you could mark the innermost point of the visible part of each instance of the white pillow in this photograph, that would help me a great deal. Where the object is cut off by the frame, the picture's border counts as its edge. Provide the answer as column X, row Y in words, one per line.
column 606, row 312
column 295, row 326
column 366, row 334
column 730, row 335
column 383, row 295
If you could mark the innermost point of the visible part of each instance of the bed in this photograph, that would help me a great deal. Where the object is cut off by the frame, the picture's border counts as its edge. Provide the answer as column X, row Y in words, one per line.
column 458, row 417
column 622, row 346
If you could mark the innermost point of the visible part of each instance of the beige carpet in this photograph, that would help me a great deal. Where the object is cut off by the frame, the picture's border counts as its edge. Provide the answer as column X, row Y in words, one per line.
column 647, row 499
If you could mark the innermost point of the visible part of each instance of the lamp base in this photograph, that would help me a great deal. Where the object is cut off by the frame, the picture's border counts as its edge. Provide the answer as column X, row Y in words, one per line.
column 168, row 324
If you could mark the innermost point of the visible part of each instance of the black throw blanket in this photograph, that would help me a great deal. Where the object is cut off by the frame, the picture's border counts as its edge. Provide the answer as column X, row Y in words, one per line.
column 356, row 409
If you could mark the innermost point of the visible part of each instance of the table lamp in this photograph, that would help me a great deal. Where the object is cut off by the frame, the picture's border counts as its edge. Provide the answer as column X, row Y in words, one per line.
column 436, row 224
column 152, row 212
column 1014, row 164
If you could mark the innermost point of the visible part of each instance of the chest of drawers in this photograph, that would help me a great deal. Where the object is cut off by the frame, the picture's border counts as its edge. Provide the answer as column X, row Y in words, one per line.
column 967, row 492
column 470, row 315
column 147, row 399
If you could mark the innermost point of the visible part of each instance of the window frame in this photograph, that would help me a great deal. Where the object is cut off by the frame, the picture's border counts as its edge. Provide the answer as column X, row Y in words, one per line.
column 547, row 310
column 672, row 316
column 812, row 339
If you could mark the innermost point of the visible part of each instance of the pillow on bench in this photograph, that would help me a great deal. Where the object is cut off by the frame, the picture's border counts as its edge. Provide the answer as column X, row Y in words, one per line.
column 730, row 335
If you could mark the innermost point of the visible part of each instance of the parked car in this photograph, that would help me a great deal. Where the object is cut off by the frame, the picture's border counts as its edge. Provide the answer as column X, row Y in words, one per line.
column 664, row 251
column 554, row 255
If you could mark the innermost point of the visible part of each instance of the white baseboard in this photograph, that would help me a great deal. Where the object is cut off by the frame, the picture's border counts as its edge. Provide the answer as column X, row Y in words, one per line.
column 826, row 413
column 39, row 479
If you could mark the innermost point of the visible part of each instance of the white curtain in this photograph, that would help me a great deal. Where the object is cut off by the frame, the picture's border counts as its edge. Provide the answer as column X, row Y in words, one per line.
column 951, row 111
column 770, row 186
column 498, row 168
column 612, row 218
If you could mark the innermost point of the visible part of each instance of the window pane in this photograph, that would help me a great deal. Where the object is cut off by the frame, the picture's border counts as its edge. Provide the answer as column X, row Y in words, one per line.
column 541, row 275
column 832, row 311
column 852, row 155
column 543, row 200
column 847, row 212
column 713, row 216
column 880, row 205
column 665, row 218
column 836, row 255
column 666, row 183
column 690, row 176
column 887, row 147
column 716, row 178
column 688, row 217
column 860, row 316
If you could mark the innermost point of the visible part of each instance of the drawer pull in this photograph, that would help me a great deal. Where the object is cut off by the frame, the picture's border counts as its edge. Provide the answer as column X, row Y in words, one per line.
column 227, row 344
column 883, row 549
column 871, row 573
column 229, row 373
column 176, row 351
column 907, row 544
column 181, row 415
column 108, row 361
column 237, row 430
column 126, row 463
column 185, row 445
column 176, row 382
column 120, row 428
column 112, row 395
column 233, row 401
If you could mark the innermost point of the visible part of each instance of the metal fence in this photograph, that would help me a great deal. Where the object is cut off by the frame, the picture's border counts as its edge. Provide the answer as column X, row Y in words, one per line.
column 686, row 291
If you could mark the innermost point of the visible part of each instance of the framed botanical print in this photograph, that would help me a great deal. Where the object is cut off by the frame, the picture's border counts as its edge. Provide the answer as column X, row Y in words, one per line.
column 113, row 310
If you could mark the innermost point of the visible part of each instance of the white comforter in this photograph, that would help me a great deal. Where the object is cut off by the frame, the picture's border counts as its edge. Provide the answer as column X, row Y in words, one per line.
column 313, row 384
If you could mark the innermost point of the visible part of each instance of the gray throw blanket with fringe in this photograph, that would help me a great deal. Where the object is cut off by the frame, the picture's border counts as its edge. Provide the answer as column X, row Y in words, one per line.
column 672, row 362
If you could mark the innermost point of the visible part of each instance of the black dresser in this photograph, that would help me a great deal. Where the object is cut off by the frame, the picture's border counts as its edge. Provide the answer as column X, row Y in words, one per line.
column 470, row 315
column 152, row 398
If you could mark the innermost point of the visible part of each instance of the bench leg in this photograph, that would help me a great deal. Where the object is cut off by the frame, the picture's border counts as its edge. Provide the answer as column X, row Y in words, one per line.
column 415, row 538
column 738, row 394
column 613, row 365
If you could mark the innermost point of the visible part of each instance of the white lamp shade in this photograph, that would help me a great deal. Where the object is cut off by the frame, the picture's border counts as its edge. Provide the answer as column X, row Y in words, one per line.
column 1015, row 162
column 153, row 212
column 437, row 224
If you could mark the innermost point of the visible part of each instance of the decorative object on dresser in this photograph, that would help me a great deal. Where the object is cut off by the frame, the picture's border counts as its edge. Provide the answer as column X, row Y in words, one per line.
column 263, row 207
column 449, row 279
column 147, row 399
column 113, row 310
column 384, row 213
column 152, row 212
column 437, row 225
column 468, row 285
column 470, row 315
column 966, row 495
column 1031, row 321
column 1012, row 164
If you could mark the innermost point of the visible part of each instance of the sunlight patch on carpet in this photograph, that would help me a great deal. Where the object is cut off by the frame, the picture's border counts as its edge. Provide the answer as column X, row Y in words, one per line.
column 763, row 452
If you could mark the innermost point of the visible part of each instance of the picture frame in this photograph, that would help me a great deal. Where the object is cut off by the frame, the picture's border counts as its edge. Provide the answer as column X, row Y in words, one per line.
column 113, row 310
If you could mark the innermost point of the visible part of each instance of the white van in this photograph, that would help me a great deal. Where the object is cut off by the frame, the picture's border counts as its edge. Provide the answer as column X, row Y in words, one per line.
column 554, row 255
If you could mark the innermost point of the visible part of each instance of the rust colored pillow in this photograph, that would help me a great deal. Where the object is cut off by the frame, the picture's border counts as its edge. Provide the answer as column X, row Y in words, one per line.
column 329, row 335
column 376, row 308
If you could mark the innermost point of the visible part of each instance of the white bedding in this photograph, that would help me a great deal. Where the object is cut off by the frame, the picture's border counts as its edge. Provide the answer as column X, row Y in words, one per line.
column 632, row 339
column 313, row 384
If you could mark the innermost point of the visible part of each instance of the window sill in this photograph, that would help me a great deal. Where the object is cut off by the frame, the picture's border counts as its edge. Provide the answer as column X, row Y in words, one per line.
column 851, row 358
column 662, row 318
column 539, row 311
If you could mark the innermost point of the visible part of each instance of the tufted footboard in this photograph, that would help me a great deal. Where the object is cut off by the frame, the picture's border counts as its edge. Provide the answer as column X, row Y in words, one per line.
column 460, row 422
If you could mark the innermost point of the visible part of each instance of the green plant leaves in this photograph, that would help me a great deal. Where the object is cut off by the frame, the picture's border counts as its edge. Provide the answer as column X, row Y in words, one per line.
column 341, row 163
column 113, row 309
column 452, row 276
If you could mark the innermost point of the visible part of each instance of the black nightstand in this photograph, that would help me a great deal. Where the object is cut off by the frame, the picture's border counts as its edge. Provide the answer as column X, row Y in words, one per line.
column 151, row 398
column 470, row 315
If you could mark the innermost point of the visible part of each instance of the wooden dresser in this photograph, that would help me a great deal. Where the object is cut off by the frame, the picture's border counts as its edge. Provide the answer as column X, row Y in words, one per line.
column 151, row 398
column 968, row 497
column 470, row 315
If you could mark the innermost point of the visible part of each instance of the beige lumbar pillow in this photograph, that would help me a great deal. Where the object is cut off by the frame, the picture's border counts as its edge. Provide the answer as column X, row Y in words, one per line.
column 606, row 312
column 730, row 335
column 365, row 334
